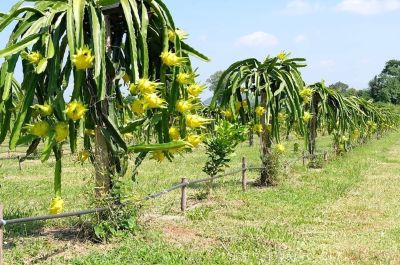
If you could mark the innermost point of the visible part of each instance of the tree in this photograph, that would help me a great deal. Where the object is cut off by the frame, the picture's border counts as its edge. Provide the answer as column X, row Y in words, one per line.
column 340, row 87
column 329, row 108
column 273, row 84
column 104, row 47
column 212, row 81
column 364, row 93
column 344, row 89
column 221, row 144
column 385, row 87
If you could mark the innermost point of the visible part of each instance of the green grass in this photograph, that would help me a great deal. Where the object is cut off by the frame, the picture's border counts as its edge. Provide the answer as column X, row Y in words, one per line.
column 345, row 213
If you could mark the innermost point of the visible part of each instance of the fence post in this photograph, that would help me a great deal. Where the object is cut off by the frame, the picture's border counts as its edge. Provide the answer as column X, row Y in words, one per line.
column 304, row 158
column 244, row 178
column 1, row 235
column 326, row 156
column 183, row 194
column 19, row 163
column 210, row 184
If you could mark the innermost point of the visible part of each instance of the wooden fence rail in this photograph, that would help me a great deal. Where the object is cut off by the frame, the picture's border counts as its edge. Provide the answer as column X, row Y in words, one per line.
column 185, row 183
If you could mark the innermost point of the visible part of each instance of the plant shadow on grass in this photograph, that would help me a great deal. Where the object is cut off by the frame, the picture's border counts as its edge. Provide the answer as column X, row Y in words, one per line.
column 23, row 229
column 79, row 230
column 50, row 255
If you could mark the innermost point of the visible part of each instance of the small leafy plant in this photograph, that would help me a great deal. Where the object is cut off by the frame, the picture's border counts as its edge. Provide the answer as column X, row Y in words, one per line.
column 221, row 145
column 198, row 214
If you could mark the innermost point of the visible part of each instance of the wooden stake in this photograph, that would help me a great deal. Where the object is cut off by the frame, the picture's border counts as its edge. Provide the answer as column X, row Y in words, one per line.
column 183, row 194
column 244, row 178
column 210, row 184
column 19, row 163
column 304, row 158
column 1, row 236
column 326, row 156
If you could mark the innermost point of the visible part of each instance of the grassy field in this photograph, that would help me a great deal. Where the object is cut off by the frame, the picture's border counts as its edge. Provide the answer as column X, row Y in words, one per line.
column 345, row 213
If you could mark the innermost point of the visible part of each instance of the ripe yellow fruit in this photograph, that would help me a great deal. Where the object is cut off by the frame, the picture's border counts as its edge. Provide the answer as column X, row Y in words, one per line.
column 183, row 106
column 282, row 56
column 40, row 129
column 195, row 90
column 227, row 113
column 195, row 121
column 306, row 94
column 137, row 107
column 153, row 101
column 260, row 111
column 83, row 58
column 307, row 116
column 34, row 57
column 280, row 148
column 56, row 205
column 83, row 156
column 158, row 156
column 258, row 128
column 44, row 110
column 174, row 133
column 146, row 86
column 178, row 32
column 133, row 89
column 62, row 132
column 75, row 110
column 185, row 78
column 194, row 140
column 171, row 59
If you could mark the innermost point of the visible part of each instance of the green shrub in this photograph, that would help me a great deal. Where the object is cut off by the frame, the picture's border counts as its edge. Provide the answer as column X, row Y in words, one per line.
column 221, row 144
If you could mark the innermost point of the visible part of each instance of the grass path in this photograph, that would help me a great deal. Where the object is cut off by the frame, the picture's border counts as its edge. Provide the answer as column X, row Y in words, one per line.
column 364, row 226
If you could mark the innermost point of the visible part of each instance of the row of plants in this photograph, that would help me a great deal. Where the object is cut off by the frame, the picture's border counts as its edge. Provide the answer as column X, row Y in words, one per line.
column 271, row 98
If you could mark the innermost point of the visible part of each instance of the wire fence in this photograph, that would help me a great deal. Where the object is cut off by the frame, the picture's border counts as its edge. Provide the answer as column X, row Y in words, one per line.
column 185, row 183
column 21, row 155
column 183, row 186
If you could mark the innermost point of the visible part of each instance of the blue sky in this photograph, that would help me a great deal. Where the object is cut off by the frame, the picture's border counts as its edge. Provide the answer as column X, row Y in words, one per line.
column 342, row 40
column 346, row 40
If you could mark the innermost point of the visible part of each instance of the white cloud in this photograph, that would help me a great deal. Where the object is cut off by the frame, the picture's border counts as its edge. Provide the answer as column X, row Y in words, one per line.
column 301, row 7
column 368, row 7
column 258, row 38
column 300, row 38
